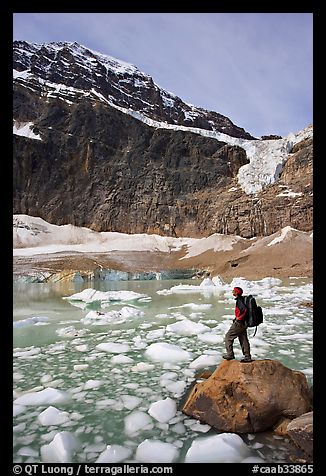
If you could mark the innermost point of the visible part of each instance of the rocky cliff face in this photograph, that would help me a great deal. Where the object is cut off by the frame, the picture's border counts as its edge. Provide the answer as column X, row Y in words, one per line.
column 97, row 166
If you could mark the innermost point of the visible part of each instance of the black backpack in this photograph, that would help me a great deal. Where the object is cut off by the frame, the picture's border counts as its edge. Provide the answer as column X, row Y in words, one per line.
column 254, row 315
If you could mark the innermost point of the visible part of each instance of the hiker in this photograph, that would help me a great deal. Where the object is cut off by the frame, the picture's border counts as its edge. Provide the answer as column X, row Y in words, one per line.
column 238, row 329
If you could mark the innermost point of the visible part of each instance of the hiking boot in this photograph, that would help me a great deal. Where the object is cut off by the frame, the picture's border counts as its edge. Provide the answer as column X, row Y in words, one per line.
column 227, row 357
column 246, row 359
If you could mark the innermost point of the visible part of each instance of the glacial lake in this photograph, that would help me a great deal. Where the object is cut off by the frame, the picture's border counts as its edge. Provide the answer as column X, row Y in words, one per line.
column 56, row 341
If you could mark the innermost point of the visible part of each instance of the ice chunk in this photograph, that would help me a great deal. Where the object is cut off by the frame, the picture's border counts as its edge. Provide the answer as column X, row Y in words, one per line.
column 103, row 318
column 130, row 401
column 27, row 353
column 155, row 334
column 179, row 428
column 17, row 409
column 136, row 421
column 91, row 295
column 81, row 366
column 82, row 348
column 90, row 384
column 53, row 416
column 204, row 361
column 165, row 352
column 175, row 387
column 70, row 331
column 200, row 427
column 114, row 454
column 61, row 448
column 113, row 347
column 46, row 378
column 27, row 451
column 187, row 328
column 153, row 451
column 30, row 321
column 142, row 367
column 193, row 306
column 163, row 410
column 128, row 311
column 211, row 338
column 222, row 448
column 44, row 397
column 121, row 359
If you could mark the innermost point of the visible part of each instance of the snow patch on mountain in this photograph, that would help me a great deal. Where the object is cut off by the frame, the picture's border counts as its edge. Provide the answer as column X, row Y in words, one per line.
column 25, row 129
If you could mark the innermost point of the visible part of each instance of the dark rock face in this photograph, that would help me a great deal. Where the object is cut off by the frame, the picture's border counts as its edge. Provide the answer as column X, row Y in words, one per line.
column 271, row 137
column 101, row 168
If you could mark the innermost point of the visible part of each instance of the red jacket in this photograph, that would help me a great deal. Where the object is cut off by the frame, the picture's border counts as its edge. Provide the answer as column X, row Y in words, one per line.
column 240, row 309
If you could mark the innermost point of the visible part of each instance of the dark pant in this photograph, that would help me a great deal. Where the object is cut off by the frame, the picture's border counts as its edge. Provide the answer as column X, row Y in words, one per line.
column 238, row 329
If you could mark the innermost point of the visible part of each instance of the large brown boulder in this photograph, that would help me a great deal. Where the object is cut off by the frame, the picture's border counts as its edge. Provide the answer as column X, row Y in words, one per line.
column 301, row 432
column 249, row 397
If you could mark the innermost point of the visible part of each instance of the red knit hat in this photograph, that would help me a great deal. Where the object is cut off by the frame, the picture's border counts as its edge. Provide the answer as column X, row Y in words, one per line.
column 238, row 290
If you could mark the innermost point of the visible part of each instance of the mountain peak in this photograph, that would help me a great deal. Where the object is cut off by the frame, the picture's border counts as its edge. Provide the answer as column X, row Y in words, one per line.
column 61, row 66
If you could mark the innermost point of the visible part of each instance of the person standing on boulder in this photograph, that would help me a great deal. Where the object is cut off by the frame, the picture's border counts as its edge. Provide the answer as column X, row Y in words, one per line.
column 238, row 329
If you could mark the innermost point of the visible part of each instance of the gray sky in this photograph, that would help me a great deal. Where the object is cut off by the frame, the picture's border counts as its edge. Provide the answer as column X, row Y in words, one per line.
column 255, row 68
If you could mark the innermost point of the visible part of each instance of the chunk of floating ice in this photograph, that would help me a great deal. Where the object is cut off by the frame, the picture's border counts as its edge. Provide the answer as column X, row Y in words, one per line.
column 130, row 401
column 155, row 334
column 61, row 448
column 153, row 451
column 179, row 428
column 17, row 409
column 204, row 361
column 121, row 359
column 44, row 397
column 193, row 306
column 90, row 384
column 30, row 321
column 222, row 448
column 211, row 338
column 176, row 388
column 102, row 318
column 27, row 451
column 70, row 331
column 137, row 421
column 163, row 410
column 90, row 295
column 200, row 427
column 114, row 454
column 113, row 347
column 142, row 367
column 27, row 353
column 53, row 416
column 187, row 328
column 81, row 348
column 81, row 366
column 165, row 352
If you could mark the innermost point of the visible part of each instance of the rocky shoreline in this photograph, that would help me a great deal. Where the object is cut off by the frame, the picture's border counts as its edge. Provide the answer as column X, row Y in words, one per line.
column 84, row 267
